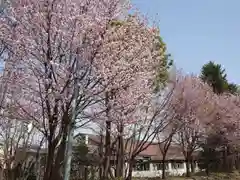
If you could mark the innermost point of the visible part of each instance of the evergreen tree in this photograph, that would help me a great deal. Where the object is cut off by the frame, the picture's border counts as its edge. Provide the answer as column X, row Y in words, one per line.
column 215, row 76
column 233, row 88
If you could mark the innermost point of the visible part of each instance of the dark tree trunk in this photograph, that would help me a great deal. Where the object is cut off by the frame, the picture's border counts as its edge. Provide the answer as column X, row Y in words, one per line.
column 207, row 160
column 85, row 172
column 92, row 174
column 49, row 165
column 163, row 166
column 207, row 170
column 106, row 165
column 57, row 174
column 237, row 162
column 1, row 172
column 131, row 162
column 107, row 155
column 58, row 161
column 192, row 166
column 55, row 156
column 100, row 173
column 100, row 165
column 225, row 167
column 188, row 173
column 120, row 154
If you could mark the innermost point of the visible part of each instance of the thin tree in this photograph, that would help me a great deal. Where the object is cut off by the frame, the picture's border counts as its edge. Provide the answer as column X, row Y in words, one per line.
column 165, row 139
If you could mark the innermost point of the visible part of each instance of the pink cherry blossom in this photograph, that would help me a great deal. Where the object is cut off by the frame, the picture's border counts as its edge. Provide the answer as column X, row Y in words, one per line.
column 51, row 44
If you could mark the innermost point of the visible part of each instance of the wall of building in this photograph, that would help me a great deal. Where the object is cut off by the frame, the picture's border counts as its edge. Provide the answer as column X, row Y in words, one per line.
column 171, row 170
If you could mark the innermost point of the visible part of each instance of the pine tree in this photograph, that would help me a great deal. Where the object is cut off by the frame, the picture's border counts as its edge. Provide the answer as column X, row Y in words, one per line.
column 215, row 76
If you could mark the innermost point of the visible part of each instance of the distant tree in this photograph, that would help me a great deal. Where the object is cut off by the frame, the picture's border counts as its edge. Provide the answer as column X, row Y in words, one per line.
column 80, row 160
column 233, row 88
column 215, row 76
column 166, row 64
column 192, row 104
column 210, row 156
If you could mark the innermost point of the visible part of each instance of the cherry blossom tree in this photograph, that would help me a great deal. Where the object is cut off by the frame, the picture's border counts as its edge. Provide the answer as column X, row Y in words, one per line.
column 17, row 138
column 52, row 44
column 226, row 127
column 129, row 61
column 135, row 67
column 136, row 135
column 194, row 106
column 15, row 133
column 227, row 116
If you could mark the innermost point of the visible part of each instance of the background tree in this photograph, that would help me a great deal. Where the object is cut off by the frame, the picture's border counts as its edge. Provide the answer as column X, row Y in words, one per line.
column 215, row 76
column 210, row 157
column 16, row 135
column 192, row 106
column 233, row 88
column 82, row 161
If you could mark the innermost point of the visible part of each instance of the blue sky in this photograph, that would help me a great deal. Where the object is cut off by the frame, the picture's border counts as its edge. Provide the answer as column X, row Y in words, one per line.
column 197, row 31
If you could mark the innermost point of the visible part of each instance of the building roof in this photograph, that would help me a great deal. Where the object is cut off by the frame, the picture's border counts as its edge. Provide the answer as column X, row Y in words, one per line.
column 153, row 151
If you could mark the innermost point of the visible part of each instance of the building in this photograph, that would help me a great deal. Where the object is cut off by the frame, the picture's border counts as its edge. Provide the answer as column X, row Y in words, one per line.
column 149, row 162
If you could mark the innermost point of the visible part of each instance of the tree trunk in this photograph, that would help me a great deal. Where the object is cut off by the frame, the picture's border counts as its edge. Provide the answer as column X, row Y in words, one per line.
column 188, row 173
column 58, row 161
column 163, row 166
column 49, row 164
column 207, row 169
column 100, row 172
column 1, row 172
column 107, row 155
column 131, row 162
column 7, row 171
column 100, row 165
column 92, row 174
column 38, row 167
column 60, row 157
column 106, row 163
column 120, row 154
column 225, row 168
column 85, row 172
column 237, row 161
column 192, row 166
